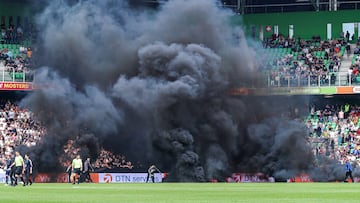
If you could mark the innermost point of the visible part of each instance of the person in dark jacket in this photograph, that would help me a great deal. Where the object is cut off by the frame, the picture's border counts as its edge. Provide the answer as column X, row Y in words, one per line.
column 348, row 170
column 87, row 169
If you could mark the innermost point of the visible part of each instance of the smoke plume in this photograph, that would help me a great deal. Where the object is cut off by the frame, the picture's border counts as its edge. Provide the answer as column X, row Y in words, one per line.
column 153, row 86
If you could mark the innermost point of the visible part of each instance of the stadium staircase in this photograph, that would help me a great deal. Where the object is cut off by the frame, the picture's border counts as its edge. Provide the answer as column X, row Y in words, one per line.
column 344, row 67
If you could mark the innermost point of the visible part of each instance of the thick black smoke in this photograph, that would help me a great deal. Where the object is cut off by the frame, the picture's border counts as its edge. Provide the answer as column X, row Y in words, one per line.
column 154, row 87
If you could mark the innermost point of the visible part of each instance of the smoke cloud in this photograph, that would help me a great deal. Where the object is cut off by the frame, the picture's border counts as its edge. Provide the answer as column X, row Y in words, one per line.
column 153, row 86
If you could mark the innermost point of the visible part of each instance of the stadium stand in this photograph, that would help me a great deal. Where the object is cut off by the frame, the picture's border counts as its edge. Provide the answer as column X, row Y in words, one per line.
column 16, row 51
column 109, row 160
column 106, row 160
column 302, row 62
column 19, row 126
column 334, row 131
column 353, row 71
column 16, row 61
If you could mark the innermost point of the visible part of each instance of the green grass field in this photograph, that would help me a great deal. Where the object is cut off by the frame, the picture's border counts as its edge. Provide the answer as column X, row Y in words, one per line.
column 184, row 192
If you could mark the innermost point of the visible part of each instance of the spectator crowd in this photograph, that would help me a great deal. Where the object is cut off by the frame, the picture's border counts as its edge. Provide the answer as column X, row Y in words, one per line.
column 304, row 62
column 17, row 60
column 17, row 34
column 334, row 131
column 19, row 126
column 15, row 49
column 353, row 73
column 109, row 160
column 106, row 160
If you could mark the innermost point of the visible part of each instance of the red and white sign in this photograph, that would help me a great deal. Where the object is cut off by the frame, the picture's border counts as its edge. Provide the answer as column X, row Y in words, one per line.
column 59, row 178
column 127, row 177
column 52, row 178
column 107, row 178
column 249, row 178
column 302, row 178
column 356, row 89
column 16, row 86
column 268, row 28
column 44, row 178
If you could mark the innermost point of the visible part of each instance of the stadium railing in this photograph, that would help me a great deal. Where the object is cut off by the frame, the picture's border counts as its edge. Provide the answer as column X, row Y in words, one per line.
column 13, row 76
column 330, row 79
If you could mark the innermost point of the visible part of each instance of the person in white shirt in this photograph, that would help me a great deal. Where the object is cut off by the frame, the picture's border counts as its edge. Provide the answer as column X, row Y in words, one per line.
column 341, row 115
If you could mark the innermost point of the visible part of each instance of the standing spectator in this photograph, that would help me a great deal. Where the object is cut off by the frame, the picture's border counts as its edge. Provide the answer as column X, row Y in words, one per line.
column 348, row 170
column 348, row 49
column 29, row 53
column 346, row 110
column 356, row 49
column 332, row 145
column 28, row 170
column 341, row 115
column 347, row 36
column 8, row 164
column 350, row 75
column 68, row 171
column 87, row 169
column 151, row 173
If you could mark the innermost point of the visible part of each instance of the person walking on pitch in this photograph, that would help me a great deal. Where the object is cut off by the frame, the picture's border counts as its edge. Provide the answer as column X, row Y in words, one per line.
column 151, row 173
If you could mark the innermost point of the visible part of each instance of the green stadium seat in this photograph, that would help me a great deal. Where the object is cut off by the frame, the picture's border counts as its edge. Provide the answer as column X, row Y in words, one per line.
column 358, row 79
column 19, row 75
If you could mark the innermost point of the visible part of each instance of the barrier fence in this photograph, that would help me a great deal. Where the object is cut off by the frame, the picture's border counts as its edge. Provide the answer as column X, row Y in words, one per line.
column 277, row 79
column 96, row 177
column 159, row 177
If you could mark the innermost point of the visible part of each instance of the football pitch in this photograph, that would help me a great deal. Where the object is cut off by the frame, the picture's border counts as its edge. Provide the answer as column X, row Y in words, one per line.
column 184, row 192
